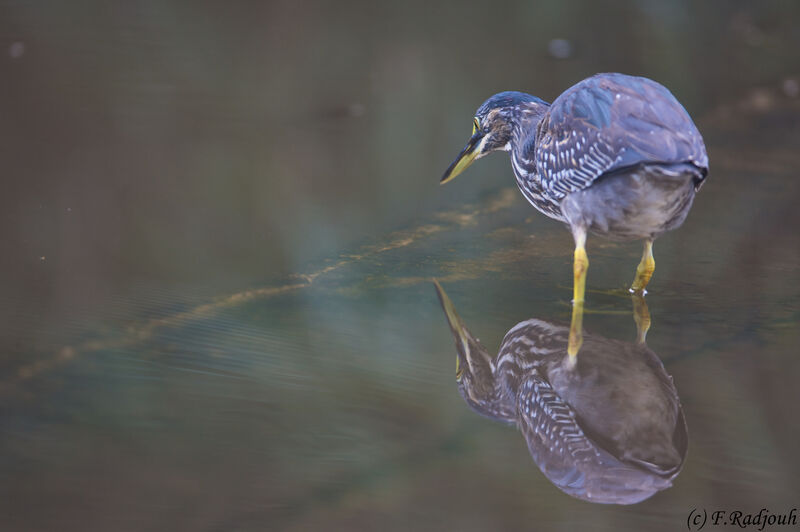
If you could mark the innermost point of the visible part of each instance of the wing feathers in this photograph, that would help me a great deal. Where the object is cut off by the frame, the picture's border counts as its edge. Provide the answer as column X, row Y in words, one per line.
column 611, row 121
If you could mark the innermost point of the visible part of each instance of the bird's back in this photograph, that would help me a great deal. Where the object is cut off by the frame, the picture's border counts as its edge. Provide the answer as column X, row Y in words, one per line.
column 610, row 429
column 608, row 122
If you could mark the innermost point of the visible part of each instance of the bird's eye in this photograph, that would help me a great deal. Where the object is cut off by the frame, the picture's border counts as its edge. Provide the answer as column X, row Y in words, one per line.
column 476, row 126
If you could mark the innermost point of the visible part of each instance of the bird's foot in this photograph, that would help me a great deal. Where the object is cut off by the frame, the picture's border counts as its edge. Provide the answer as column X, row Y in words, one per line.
column 644, row 271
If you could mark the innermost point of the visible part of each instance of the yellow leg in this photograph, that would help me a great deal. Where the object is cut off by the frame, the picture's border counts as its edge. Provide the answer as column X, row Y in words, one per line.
column 580, row 265
column 645, row 269
column 641, row 315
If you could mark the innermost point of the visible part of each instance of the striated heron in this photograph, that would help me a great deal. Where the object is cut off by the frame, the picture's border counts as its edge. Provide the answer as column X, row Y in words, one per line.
column 614, row 155
column 608, row 429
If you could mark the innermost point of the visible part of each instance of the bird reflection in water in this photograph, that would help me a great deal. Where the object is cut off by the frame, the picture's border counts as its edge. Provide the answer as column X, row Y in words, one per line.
column 608, row 429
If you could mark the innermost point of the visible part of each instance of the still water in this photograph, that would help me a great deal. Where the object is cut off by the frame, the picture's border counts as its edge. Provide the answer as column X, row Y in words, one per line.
column 217, row 299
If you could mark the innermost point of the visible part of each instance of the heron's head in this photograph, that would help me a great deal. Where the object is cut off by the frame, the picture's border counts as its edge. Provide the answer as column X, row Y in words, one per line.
column 492, row 127
column 474, row 365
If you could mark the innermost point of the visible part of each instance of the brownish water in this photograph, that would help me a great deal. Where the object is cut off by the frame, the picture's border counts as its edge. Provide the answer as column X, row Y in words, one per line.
column 218, row 231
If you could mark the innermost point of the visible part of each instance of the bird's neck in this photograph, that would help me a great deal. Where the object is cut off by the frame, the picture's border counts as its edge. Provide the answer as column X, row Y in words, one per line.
column 489, row 399
column 522, row 148
column 524, row 126
column 482, row 391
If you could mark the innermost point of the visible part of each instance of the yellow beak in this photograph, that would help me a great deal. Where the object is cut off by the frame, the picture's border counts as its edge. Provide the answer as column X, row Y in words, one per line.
column 457, row 326
column 470, row 152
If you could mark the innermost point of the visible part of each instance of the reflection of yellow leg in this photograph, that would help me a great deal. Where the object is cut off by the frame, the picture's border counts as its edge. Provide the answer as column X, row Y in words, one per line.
column 580, row 265
column 641, row 315
column 645, row 269
column 575, row 333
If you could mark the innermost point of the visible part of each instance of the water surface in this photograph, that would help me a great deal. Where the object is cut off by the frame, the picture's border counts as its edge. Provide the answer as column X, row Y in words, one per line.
column 218, row 248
